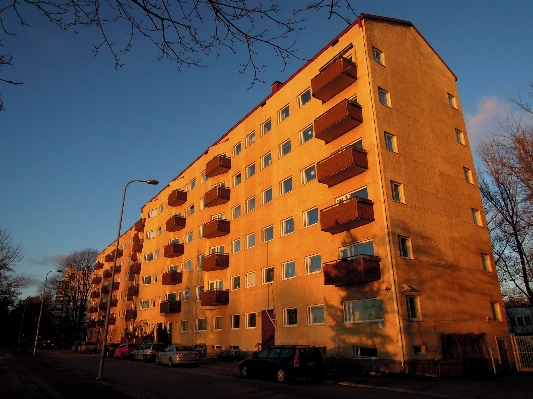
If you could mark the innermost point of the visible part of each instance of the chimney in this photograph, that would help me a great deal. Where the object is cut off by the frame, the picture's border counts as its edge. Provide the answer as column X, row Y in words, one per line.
column 276, row 86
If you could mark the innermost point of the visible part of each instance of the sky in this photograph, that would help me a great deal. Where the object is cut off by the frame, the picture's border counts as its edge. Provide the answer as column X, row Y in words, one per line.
column 78, row 129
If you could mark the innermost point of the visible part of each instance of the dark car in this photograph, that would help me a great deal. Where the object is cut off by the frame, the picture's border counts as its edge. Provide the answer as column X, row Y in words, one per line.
column 49, row 344
column 285, row 362
column 76, row 346
column 110, row 349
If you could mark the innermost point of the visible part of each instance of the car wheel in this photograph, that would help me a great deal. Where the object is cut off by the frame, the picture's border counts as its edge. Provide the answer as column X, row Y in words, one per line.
column 245, row 371
column 156, row 360
column 282, row 375
column 170, row 362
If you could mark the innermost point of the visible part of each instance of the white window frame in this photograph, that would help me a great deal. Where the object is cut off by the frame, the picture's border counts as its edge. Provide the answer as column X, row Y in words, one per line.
column 233, row 285
column 263, row 160
column 192, row 184
column 468, row 175
column 284, row 113
column 250, row 139
column 184, row 327
column 305, row 180
column 346, row 307
column 476, row 215
column 200, row 261
column 284, row 231
column 250, row 170
column 301, row 101
column 310, row 321
column 378, row 56
column 384, row 97
column 234, row 210
column 247, row 317
column 266, row 274
column 234, row 245
column 486, row 263
column 281, row 152
column 303, row 137
column 452, row 101
column 263, row 196
column 217, row 326
column 197, row 324
column 393, row 147
column 248, row 283
column 284, row 270
column 308, row 260
column 235, row 317
column 199, row 290
column 263, row 233
column 305, row 217
column 247, row 241
column 397, row 192
column 460, row 137
column 250, row 204
column 264, row 125
column 413, row 307
column 237, row 149
column 282, row 188
column 286, row 317
column 405, row 247
column 237, row 179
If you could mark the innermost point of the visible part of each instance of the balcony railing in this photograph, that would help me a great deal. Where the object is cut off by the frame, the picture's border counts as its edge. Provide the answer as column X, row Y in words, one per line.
column 170, row 307
column 353, row 270
column 135, row 257
column 218, row 165
column 129, row 298
column 171, row 278
column 116, row 286
column 215, row 262
column 342, row 165
column 95, row 294
column 100, row 323
column 103, row 305
column 131, row 315
column 139, row 225
column 98, row 266
column 173, row 249
column 175, row 223
column 334, row 79
column 112, row 321
column 352, row 213
column 216, row 228
column 97, row 280
column 215, row 297
column 108, row 272
column 135, row 268
column 93, row 309
column 137, row 246
column 217, row 196
column 177, row 197
column 133, row 290
column 337, row 121
column 110, row 257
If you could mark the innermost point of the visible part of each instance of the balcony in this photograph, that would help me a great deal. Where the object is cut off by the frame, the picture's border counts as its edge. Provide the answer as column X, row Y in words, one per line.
column 108, row 273
column 133, row 290
column 91, row 324
column 135, row 268
column 341, row 165
column 105, row 288
column 97, row 280
column 346, row 215
column 131, row 315
column 103, row 305
column 112, row 321
column 177, row 198
column 93, row 309
column 135, row 257
column 100, row 323
column 95, row 294
column 215, row 297
column 218, row 165
column 98, row 266
column 215, row 262
column 170, row 307
column 334, row 79
column 139, row 225
column 353, row 270
column 175, row 223
column 216, row 228
column 173, row 249
column 340, row 119
column 137, row 246
column 129, row 298
column 171, row 278
column 217, row 196
column 110, row 257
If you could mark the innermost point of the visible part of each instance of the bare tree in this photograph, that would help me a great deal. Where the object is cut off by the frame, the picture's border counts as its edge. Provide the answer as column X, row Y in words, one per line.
column 10, row 282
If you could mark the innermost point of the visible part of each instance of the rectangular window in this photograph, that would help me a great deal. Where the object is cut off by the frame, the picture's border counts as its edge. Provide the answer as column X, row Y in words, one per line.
column 287, row 226
column 404, row 244
column 184, row 325
column 413, row 308
column 266, row 127
column 250, row 204
column 217, row 323
column 218, row 216
column 313, row 264
column 476, row 215
column 237, row 149
column 451, row 101
column 249, row 280
column 188, row 264
column 250, row 139
column 306, row 134
column 216, row 285
column 397, row 192
column 519, row 321
column 145, row 304
column 310, row 217
column 267, row 234
column 266, row 160
column 191, row 210
column 485, row 261
column 173, row 297
column 202, row 203
column 384, row 97
column 308, row 174
column 266, row 196
column 268, row 275
column 304, row 98
column 236, row 283
column 390, row 142
column 315, row 315
column 285, row 186
column 235, row 321
column 365, row 310
column 203, row 177
column 283, row 113
column 237, row 179
column 147, row 280
column 236, row 212
column 250, row 170
column 250, row 241
column 419, row 349
column 188, row 238
column 201, row 231
column 152, row 213
column 236, row 246
column 460, row 136
column 360, row 193
column 157, row 253
column 217, row 249
column 192, row 184
column 148, row 257
column 251, row 321
column 378, row 56
column 290, row 317
column 201, row 324
column 288, row 270
column 150, row 234
column 284, row 148
column 361, row 351
column 357, row 248
column 155, row 277
column 186, row 294
column 496, row 314
column 199, row 291
column 468, row 175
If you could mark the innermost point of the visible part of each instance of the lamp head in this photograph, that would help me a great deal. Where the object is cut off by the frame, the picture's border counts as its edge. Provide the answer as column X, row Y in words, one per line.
column 153, row 182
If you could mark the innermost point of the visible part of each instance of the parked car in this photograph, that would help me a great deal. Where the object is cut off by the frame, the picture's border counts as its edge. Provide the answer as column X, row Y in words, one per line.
column 48, row 344
column 147, row 352
column 89, row 347
column 76, row 346
column 110, row 349
column 177, row 354
column 124, row 350
column 285, row 362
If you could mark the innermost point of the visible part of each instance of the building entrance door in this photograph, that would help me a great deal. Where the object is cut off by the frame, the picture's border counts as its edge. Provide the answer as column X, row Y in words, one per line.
column 268, row 328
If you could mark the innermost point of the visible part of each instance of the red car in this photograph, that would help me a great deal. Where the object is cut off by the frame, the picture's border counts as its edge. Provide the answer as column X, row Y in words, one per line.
column 124, row 350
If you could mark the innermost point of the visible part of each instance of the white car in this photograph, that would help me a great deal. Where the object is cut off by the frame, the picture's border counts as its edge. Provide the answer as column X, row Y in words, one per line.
column 177, row 354
column 147, row 352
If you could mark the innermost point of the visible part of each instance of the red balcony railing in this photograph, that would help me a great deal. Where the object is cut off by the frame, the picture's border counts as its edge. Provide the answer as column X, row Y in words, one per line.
column 175, row 223
column 108, row 272
column 105, row 288
column 217, row 196
column 137, row 246
column 139, row 225
column 170, row 307
column 215, row 262
column 100, row 323
column 103, row 305
column 97, row 280
column 177, row 198
column 218, row 165
column 173, row 249
column 110, row 257
column 129, row 298
column 135, row 257
column 337, row 121
column 93, row 309
column 95, row 294
column 334, row 79
column 216, row 228
column 171, row 278
column 352, row 213
column 341, row 165
column 131, row 315
column 98, row 266
column 135, row 268
column 353, row 270
column 133, row 290
column 215, row 297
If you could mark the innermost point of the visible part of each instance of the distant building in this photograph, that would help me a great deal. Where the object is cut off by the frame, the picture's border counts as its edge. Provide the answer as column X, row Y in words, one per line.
column 520, row 319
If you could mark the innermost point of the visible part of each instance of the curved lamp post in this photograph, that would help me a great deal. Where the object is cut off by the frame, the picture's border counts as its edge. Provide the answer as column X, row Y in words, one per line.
column 40, row 313
column 110, row 297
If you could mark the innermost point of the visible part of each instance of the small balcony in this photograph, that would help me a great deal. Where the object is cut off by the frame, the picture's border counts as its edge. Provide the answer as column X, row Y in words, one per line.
column 93, row 309
column 139, row 225
column 177, row 198
column 108, row 272
column 215, row 262
column 98, row 266
column 137, row 246
column 173, row 250
column 171, row 278
column 110, row 257
column 97, row 280
column 175, row 223
column 103, row 305
column 131, row 315
column 100, row 323
column 112, row 321
column 218, row 165
column 215, row 297
column 135, row 268
column 135, row 257
column 133, row 290
column 217, row 196
column 337, row 121
column 170, row 307
column 95, row 294
column 129, row 298
column 91, row 323
column 341, row 165
column 346, row 215
column 216, row 228
column 334, row 79
column 105, row 288
column 353, row 270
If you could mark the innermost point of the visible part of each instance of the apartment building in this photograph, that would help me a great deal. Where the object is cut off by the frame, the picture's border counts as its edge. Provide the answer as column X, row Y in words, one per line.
column 341, row 212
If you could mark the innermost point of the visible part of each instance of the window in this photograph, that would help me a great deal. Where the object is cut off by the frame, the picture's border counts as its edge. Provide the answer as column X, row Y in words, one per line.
column 203, row 177
column 290, row 317
column 460, row 136
column 235, row 321
column 519, row 320
column 236, row 283
column 306, row 134
column 186, row 294
column 476, row 215
column 304, row 98
column 237, row 179
column 283, row 113
column 267, row 234
column 365, row 310
column 192, row 184
column 148, row 257
column 171, row 297
column 155, row 277
column 390, row 142
column 397, row 192
column 188, row 237
column 404, row 244
column 288, row 270
column 250, row 170
column 201, row 324
column 285, row 186
column 268, row 275
column 184, row 325
column 287, row 226
column 361, row 351
column 157, row 253
column 188, row 264
column 147, row 280
column 413, row 308
column 266, row 160
column 249, row 280
column 200, row 260
column 201, row 231
column 357, row 248
column 237, row 149
column 315, row 314
column 159, row 230
column 152, row 213
column 310, row 217
column 451, row 101
column 251, row 320
column 145, row 304
column 216, row 285
column 250, row 241
column 384, row 97
column 236, row 246
column 217, row 323
column 284, row 148
column 236, row 212
column 150, row 234
column 250, row 139
column 250, row 204
column 496, row 314
column 378, row 56
column 199, row 291
column 419, row 349
column 485, row 261
column 308, row 174
column 218, row 249
column 266, row 196
column 191, row 210
column 468, row 175
column 313, row 264
column 266, row 127
column 218, row 216
column 361, row 193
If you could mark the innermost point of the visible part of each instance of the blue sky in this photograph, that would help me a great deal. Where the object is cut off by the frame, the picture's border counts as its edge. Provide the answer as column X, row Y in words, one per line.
column 77, row 130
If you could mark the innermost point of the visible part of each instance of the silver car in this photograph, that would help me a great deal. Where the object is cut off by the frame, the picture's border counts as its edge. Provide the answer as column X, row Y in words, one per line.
column 177, row 354
column 147, row 352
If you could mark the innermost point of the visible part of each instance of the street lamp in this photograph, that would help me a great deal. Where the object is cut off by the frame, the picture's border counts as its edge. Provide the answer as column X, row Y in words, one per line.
column 110, row 297
column 40, row 312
